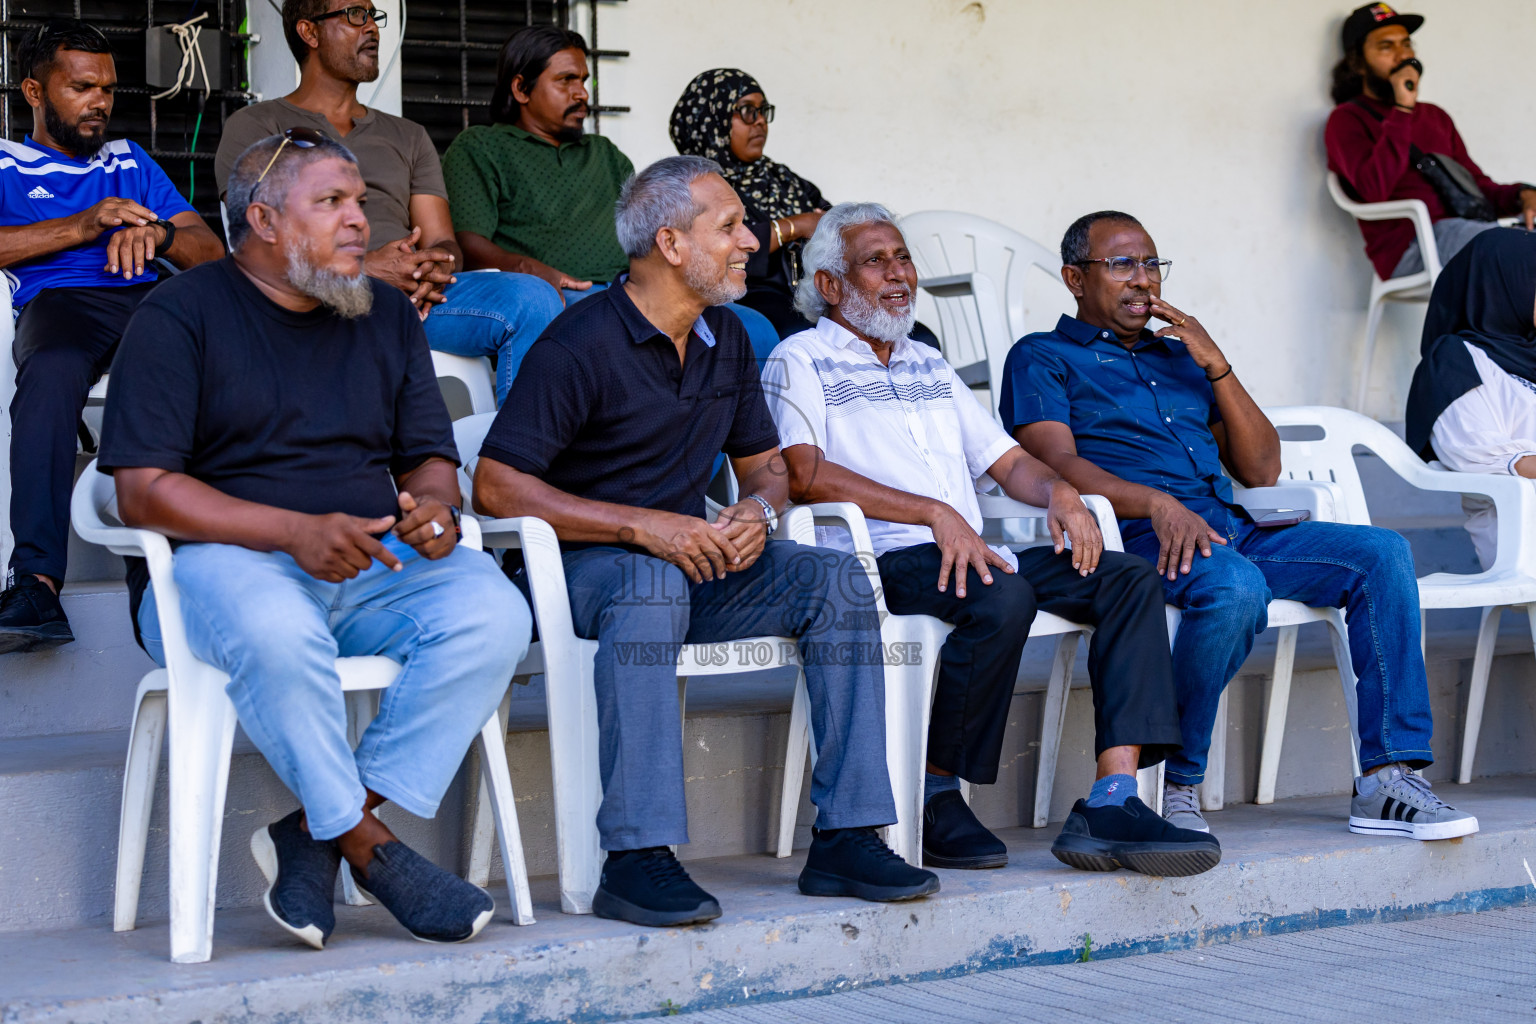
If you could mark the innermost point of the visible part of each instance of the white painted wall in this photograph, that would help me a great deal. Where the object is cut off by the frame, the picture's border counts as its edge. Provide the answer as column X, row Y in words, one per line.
column 1202, row 117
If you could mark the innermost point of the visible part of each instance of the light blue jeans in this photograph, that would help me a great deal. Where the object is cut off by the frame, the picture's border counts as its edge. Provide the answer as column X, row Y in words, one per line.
column 760, row 330
column 456, row 624
column 496, row 314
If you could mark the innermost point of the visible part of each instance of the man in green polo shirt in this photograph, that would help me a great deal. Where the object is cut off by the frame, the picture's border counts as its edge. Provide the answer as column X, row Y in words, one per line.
column 532, row 192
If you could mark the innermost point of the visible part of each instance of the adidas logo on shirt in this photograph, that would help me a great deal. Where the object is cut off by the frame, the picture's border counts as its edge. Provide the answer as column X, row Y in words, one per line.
column 39, row 193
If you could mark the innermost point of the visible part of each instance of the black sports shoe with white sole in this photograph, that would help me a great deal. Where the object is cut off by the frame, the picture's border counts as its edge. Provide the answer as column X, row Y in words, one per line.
column 301, row 878
column 1132, row 836
column 649, row 887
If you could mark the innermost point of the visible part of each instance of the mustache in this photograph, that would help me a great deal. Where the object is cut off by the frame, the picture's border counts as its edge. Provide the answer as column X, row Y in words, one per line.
column 577, row 108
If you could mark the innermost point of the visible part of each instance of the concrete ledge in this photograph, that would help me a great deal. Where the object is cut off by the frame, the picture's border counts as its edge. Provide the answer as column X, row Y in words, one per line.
column 1288, row 867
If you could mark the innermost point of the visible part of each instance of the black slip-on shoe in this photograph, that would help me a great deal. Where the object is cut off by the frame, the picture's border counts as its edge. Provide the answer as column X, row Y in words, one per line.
column 856, row 862
column 31, row 617
column 1133, row 837
column 434, row 905
column 649, row 887
column 953, row 838
column 301, row 878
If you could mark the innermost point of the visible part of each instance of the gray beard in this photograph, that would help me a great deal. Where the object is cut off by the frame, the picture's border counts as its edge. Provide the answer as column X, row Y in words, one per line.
column 348, row 296
column 699, row 274
column 872, row 321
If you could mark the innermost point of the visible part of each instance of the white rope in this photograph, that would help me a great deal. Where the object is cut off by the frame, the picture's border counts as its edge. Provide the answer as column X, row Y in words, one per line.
column 187, row 34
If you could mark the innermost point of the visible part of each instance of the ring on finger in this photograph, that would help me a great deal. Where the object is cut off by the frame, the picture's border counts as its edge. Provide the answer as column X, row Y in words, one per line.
column 437, row 529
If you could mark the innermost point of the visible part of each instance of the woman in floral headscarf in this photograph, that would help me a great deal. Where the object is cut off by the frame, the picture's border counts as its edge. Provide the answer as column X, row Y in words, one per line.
column 723, row 116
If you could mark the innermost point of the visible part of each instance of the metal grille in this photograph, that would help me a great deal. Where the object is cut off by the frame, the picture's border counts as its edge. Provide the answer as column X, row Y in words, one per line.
column 182, row 132
column 448, row 64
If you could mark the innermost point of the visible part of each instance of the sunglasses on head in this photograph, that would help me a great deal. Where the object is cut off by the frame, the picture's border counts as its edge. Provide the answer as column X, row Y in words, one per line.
column 303, row 138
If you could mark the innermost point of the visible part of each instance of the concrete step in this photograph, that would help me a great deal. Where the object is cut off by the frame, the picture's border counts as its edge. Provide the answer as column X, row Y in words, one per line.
column 1290, row 867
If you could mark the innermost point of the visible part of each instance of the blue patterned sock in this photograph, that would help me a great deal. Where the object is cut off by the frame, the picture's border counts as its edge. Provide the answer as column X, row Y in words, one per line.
column 933, row 784
column 1112, row 791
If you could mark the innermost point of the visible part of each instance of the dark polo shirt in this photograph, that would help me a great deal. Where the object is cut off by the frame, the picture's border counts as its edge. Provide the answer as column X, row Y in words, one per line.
column 601, row 407
column 1143, row 414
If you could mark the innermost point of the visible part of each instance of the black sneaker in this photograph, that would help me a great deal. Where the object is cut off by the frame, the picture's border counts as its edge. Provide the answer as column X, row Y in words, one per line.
column 1132, row 836
column 953, row 838
column 31, row 618
column 301, row 878
column 856, row 862
column 650, row 887
column 433, row 904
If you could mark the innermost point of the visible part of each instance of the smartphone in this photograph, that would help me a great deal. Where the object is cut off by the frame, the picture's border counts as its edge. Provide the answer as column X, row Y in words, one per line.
column 1269, row 518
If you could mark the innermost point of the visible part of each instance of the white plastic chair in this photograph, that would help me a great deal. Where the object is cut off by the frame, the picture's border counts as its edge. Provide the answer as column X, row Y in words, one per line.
column 975, row 270
column 570, row 697
column 1509, row 583
column 188, row 695
column 474, row 373
column 1409, row 287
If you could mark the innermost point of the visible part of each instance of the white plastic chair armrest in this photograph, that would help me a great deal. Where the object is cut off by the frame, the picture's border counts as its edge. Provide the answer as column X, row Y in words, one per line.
column 1000, row 506
column 850, row 517
column 1400, row 209
column 545, row 571
column 1321, row 498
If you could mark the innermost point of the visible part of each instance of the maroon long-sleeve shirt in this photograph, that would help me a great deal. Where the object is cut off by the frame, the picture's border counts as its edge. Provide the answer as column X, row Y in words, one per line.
column 1371, row 156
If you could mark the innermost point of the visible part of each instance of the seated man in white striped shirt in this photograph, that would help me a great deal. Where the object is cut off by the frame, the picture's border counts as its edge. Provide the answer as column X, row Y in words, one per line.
column 866, row 415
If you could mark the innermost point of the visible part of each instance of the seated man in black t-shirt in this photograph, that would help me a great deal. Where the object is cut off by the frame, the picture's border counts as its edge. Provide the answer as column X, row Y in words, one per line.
column 610, row 434
column 264, row 410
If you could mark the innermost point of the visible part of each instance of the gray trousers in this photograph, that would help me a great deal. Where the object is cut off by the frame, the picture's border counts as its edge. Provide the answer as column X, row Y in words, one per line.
column 1451, row 233
column 640, row 609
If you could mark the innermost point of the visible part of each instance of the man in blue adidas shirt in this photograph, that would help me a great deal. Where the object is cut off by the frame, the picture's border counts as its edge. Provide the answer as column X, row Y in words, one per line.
column 81, row 220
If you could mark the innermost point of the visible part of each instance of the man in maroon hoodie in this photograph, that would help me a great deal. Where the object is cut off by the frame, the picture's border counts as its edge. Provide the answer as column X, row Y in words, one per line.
column 1378, row 118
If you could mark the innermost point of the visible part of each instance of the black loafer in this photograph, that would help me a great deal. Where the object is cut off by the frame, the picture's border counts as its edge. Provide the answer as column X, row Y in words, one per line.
column 31, row 617
column 856, row 862
column 301, row 878
column 1132, row 837
column 953, row 838
column 649, row 887
column 433, row 904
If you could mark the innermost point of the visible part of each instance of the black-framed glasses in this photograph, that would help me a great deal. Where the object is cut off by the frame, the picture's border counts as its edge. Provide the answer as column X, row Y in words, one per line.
column 1123, row 268
column 749, row 114
column 304, row 138
column 357, row 16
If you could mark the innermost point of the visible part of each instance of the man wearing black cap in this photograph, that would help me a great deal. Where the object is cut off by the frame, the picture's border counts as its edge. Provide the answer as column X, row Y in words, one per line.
column 1380, row 131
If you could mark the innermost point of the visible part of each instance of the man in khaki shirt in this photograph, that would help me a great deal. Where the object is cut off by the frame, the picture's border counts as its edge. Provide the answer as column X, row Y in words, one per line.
column 491, row 313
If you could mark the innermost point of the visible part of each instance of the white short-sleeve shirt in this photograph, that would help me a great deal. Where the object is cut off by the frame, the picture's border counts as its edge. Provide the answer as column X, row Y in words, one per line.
column 912, row 425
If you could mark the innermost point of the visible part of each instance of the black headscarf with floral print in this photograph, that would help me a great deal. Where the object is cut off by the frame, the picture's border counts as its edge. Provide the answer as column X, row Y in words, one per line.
column 701, row 126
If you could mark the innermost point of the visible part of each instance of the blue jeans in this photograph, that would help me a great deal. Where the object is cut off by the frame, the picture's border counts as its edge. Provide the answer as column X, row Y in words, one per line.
column 760, row 330
column 456, row 624
column 639, row 609
column 496, row 314
column 1366, row 570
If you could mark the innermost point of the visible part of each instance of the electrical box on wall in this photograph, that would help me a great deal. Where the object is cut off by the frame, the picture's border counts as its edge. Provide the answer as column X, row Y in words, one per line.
column 164, row 56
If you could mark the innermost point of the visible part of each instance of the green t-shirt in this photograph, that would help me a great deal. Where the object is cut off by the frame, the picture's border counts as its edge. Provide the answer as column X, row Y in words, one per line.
column 534, row 199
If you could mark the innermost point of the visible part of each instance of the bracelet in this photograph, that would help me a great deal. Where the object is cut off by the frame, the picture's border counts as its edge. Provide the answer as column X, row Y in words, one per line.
column 777, row 234
column 1213, row 380
column 791, row 222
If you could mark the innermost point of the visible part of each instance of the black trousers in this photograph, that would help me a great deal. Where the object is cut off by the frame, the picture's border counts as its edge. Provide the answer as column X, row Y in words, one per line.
column 65, row 339
column 1128, row 662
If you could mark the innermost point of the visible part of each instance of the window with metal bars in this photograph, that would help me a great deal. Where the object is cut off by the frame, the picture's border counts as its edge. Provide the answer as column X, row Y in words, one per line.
column 181, row 132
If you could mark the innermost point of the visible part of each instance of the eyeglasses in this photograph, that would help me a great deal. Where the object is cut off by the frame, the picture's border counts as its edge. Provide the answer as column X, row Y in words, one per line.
column 357, row 17
column 749, row 114
column 304, row 138
column 1123, row 268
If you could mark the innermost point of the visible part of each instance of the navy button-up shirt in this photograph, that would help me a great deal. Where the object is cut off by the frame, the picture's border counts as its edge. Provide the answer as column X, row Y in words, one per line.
column 1143, row 414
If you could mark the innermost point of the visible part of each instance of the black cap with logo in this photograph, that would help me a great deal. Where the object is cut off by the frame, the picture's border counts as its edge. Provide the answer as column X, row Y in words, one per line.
column 1365, row 20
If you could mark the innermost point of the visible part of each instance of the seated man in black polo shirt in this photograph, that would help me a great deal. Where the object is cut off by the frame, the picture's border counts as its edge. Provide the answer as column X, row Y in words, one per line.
column 264, row 411
column 620, row 410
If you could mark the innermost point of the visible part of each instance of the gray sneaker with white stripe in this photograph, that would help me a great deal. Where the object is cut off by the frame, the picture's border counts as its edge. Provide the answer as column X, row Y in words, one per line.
column 1399, row 802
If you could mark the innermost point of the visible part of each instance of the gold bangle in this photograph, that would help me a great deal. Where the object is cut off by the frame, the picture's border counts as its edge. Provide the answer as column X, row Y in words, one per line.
column 790, row 221
column 777, row 234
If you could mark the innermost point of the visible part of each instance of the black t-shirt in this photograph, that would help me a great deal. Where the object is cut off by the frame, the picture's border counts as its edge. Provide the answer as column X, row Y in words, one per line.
column 602, row 408
column 309, row 412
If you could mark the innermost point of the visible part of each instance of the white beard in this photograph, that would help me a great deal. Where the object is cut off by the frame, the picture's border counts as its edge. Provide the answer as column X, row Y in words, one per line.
column 871, row 320
column 349, row 296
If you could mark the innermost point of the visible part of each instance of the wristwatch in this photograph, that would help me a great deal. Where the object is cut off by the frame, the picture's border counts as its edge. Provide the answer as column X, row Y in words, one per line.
column 769, row 515
column 458, row 522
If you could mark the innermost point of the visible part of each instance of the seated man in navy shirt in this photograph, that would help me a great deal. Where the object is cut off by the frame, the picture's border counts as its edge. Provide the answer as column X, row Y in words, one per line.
column 276, row 413
column 610, row 435
column 81, row 219
column 1148, row 420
